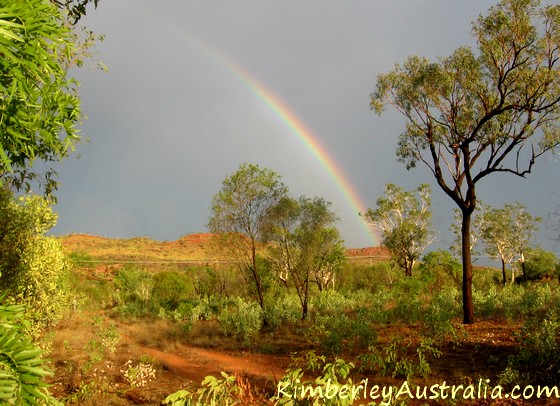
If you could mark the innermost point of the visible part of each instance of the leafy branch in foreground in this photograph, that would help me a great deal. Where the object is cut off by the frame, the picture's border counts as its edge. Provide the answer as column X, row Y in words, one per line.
column 22, row 370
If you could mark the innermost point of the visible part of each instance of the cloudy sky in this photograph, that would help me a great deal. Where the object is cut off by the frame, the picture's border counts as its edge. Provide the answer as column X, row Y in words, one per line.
column 195, row 88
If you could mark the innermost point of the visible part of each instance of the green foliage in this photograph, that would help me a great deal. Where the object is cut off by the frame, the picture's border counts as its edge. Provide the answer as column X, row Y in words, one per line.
column 228, row 391
column 22, row 370
column 441, row 268
column 39, row 108
column 538, row 359
column 437, row 318
column 326, row 389
column 242, row 321
column 283, row 309
column 337, row 321
column 169, row 288
column 400, row 360
column 488, row 303
column 541, row 264
column 133, row 290
column 33, row 266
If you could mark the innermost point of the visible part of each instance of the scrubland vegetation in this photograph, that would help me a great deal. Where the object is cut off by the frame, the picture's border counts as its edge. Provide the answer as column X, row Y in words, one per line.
column 376, row 323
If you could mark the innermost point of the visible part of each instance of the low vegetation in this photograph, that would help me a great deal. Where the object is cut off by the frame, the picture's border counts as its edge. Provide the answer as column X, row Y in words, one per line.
column 377, row 324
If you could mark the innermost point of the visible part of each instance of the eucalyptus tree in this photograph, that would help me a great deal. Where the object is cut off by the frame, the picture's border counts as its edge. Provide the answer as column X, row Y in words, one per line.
column 240, row 212
column 405, row 222
column 305, row 246
column 506, row 233
column 497, row 236
column 477, row 112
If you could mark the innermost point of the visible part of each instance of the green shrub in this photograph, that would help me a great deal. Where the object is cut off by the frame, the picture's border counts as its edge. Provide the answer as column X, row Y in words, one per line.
column 282, row 309
column 441, row 268
column 169, row 289
column 409, row 296
column 228, row 391
column 330, row 302
column 33, row 267
column 243, row 321
column 541, row 264
column 487, row 303
column 332, row 332
column 437, row 320
column 538, row 359
column 399, row 360
column 293, row 390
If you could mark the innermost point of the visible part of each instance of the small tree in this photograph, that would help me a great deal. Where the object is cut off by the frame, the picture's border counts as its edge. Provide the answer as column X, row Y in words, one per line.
column 471, row 114
column 497, row 236
column 506, row 233
column 524, row 227
column 405, row 224
column 240, row 212
column 305, row 245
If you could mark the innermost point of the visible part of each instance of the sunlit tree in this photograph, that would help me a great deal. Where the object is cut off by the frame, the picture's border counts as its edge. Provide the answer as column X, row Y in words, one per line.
column 305, row 246
column 477, row 112
column 240, row 213
column 405, row 222
column 507, row 232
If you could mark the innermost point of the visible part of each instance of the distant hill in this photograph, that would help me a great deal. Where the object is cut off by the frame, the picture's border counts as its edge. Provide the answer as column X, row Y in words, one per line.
column 193, row 247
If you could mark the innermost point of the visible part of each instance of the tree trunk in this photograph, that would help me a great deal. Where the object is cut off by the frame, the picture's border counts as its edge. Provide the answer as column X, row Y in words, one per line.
column 504, row 277
column 256, row 276
column 468, row 311
column 522, row 260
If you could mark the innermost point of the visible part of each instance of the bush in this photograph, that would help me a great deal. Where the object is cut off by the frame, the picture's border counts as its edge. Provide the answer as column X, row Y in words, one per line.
column 284, row 308
column 330, row 302
column 437, row 320
column 33, row 267
column 538, row 359
column 487, row 303
column 399, row 360
column 134, row 285
column 409, row 295
column 242, row 321
column 441, row 268
column 169, row 289
column 541, row 264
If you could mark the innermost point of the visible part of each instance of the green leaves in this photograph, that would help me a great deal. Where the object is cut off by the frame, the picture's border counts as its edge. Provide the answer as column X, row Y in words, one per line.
column 39, row 106
column 22, row 370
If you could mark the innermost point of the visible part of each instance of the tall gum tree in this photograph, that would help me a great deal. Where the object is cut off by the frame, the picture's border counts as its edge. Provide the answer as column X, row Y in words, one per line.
column 479, row 112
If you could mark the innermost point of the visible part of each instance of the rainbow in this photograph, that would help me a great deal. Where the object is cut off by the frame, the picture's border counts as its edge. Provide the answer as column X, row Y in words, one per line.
column 295, row 126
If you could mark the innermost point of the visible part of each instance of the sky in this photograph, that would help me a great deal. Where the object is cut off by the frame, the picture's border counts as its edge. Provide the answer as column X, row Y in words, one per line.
column 196, row 88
